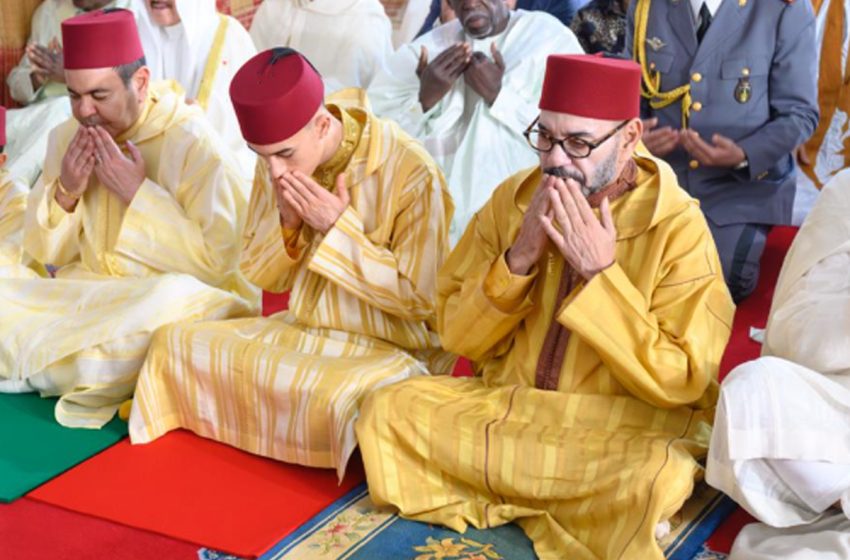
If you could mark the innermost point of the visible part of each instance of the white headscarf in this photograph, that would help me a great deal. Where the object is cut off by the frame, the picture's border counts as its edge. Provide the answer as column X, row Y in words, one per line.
column 179, row 52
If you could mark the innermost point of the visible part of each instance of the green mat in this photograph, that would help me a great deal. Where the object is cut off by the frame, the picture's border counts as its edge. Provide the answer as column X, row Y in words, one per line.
column 34, row 448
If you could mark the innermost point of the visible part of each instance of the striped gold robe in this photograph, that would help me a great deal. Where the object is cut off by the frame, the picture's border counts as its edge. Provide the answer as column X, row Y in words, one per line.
column 13, row 201
column 124, row 271
column 362, row 315
column 588, row 470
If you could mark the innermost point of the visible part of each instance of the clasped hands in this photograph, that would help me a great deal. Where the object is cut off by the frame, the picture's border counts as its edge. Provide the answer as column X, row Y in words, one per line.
column 722, row 152
column 437, row 77
column 300, row 200
column 560, row 213
column 47, row 63
column 92, row 149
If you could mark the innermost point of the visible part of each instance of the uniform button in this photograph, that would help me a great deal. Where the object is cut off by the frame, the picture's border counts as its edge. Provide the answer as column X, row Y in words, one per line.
column 693, row 164
column 697, row 106
column 745, row 72
column 652, row 66
column 696, row 77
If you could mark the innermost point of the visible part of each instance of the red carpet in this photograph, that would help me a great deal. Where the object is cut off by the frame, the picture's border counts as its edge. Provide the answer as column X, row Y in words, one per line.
column 198, row 491
column 753, row 311
column 30, row 530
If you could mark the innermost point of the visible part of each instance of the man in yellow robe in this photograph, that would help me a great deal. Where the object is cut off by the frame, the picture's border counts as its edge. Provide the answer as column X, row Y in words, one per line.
column 596, row 336
column 142, row 217
column 13, row 201
column 351, row 215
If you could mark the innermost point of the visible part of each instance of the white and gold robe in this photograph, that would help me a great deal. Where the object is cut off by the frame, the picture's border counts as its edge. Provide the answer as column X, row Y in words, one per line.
column 13, row 202
column 124, row 271
column 362, row 315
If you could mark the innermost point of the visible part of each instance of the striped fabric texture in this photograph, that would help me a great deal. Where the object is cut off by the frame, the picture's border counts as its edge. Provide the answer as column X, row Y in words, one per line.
column 361, row 314
column 590, row 469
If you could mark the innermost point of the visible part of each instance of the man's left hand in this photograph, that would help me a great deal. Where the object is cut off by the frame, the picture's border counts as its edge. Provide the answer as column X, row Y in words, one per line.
column 120, row 174
column 588, row 244
column 722, row 152
column 317, row 206
column 485, row 77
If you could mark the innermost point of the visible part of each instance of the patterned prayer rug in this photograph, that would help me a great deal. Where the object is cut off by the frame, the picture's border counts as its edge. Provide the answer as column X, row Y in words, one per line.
column 353, row 528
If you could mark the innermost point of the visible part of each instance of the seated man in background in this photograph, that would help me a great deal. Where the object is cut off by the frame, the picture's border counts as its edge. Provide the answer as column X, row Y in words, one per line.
column 563, row 10
column 351, row 215
column 142, row 214
column 190, row 42
column 781, row 445
column 347, row 40
column 467, row 89
column 38, row 83
column 589, row 296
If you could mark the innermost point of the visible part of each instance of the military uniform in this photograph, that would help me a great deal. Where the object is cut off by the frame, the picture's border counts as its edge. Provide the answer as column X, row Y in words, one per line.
column 752, row 78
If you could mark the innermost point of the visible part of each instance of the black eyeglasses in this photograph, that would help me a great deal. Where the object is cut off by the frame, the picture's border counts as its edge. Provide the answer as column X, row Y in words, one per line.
column 574, row 146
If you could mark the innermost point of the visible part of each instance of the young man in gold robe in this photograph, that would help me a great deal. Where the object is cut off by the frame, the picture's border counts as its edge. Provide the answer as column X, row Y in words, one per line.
column 589, row 295
column 141, row 213
column 351, row 215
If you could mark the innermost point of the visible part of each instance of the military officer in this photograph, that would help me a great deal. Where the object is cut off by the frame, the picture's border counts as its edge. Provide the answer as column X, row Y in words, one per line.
column 730, row 90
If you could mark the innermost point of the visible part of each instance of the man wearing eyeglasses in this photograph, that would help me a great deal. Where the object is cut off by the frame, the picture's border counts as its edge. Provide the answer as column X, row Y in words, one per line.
column 589, row 295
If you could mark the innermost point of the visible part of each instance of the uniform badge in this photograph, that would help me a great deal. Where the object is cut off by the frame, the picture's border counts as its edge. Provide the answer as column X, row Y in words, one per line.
column 655, row 43
column 744, row 90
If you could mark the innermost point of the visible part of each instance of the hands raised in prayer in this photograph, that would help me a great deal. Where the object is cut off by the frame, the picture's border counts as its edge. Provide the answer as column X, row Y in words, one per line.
column 316, row 206
column 722, row 152
column 659, row 141
column 77, row 166
column 120, row 174
column 587, row 243
column 484, row 76
column 532, row 239
column 437, row 77
column 47, row 63
column 289, row 218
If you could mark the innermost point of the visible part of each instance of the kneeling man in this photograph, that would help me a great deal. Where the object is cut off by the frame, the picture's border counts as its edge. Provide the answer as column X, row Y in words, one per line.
column 351, row 215
column 589, row 294
column 141, row 214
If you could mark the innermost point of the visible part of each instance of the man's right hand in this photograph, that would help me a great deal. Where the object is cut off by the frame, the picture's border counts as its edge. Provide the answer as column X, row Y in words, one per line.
column 437, row 77
column 532, row 238
column 289, row 218
column 659, row 141
column 78, row 164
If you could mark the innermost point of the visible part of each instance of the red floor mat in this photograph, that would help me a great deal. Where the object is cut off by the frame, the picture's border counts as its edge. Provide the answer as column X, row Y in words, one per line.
column 30, row 530
column 753, row 311
column 198, row 491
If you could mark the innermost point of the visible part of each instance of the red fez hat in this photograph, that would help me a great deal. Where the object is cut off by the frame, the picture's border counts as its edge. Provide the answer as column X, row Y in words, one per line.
column 591, row 86
column 2, row 125
column 275, row 94
column 101, row 39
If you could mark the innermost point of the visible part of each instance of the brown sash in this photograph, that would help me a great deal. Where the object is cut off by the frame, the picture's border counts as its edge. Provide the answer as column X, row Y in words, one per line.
column 554, row 348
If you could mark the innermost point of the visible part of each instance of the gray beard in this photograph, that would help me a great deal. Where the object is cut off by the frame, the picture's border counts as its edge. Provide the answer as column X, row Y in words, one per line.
column 603, row 176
